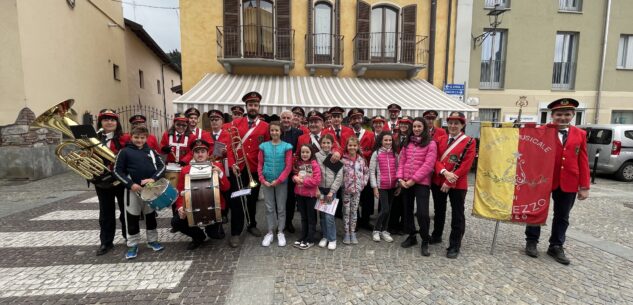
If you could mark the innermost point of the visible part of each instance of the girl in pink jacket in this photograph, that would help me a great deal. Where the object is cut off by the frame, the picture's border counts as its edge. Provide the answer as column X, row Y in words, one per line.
column 417, row 159
column 307, row 181
column 382, row 176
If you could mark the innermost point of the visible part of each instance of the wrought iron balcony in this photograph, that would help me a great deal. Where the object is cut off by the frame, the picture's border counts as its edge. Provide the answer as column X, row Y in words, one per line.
column 324, row 51
column 255, row 45
column 390, row 51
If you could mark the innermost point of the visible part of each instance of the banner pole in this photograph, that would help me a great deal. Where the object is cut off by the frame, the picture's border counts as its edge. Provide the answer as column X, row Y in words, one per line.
column 494, row 239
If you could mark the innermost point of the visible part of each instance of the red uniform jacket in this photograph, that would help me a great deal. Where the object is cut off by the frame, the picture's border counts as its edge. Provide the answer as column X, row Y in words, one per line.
column 183, row 147
column 571, row 168
column 307, row 139
column 227, row 158
column 258, row 136
column 367, row 143
column 304, row 128
column 346, row 132
column 202, row 134
column 152, row 142
column 448, row 162
column 123, row 139
column 387, row 126
column 437, row 133
column 225, row 185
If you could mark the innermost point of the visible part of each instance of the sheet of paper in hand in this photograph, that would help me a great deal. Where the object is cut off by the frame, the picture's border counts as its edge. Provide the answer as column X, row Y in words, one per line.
column 323, row 206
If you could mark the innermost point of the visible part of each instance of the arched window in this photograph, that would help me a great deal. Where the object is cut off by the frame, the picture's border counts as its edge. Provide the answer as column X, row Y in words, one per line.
column 323, row 29
column 384, row 33
column 258, row 22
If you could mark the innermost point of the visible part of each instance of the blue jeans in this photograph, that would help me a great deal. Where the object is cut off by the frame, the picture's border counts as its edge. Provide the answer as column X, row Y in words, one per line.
column 328, row 226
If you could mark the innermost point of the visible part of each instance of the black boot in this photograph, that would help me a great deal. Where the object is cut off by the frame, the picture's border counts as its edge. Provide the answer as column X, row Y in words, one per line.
column 409, row 242
column 452, row 252
column 435, row 240
column 558, row 254
column 530, row 249
column 424, row 248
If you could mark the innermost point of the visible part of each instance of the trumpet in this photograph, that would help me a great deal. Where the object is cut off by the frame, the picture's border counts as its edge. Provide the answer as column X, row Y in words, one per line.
column 236, row 145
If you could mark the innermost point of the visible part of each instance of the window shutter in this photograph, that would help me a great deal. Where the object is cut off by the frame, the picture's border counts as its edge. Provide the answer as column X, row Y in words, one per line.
column 363, row 14
column 408, row 34
column 337, row 32
column 284, row 33
column 310, row 37
column 231, row 28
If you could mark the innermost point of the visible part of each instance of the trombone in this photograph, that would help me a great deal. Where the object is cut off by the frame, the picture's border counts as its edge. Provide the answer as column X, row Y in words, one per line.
column 236, row 146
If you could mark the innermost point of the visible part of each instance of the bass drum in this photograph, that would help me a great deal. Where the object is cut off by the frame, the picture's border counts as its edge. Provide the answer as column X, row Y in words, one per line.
column 202, row 201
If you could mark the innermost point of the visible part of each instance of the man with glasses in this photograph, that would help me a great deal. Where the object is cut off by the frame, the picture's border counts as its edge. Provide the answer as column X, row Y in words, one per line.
column 394, row 113
column 436, row 133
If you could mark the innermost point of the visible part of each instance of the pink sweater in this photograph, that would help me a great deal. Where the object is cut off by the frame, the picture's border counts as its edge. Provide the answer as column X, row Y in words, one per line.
column 417, row 163
column 311, row 179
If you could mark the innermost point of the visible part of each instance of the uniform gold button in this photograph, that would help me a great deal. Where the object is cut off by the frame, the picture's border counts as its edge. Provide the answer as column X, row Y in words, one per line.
column 561, row 167
column 563, row 158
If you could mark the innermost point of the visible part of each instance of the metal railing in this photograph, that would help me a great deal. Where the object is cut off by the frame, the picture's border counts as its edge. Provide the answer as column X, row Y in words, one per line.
column 570, row 5
column 324, row 48
column 492, row 74
column 255, row 41
column 390, row 47
column 501, row 3
column 157, row 121
column 563, row 75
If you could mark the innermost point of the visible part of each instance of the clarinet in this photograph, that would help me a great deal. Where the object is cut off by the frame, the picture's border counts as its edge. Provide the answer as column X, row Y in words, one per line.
column 461, row 156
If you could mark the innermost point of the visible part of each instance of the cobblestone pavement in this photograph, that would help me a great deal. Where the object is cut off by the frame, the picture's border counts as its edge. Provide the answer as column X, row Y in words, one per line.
column 47, row 257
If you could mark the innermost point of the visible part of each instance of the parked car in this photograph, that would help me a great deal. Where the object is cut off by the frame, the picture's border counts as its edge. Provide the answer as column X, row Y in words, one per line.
column 613, row 144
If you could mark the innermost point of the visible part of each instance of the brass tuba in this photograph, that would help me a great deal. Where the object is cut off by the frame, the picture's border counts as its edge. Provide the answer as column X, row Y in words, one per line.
column 86, row 156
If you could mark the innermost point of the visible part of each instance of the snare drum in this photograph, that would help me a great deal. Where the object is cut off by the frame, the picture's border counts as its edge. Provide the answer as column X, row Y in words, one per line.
column 202, row 201
column 159, row 195
column 172, row 173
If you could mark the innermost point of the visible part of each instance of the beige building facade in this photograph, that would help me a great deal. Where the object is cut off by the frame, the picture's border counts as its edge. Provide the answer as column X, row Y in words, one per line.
column 79, row 53
column 545, row 50
column 150, row 71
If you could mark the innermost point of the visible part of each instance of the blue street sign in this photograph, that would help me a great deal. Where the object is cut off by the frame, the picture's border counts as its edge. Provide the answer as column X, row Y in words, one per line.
column 454, row 89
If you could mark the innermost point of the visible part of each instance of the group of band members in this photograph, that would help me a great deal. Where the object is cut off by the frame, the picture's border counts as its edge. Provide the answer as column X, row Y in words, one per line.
column 398, row 160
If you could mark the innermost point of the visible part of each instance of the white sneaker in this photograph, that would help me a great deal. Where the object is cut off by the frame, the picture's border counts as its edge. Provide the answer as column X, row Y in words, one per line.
column 323, row 243
column 331, row 245
column 268, row 239
column 376, row 236
column 281, row 239
column 386, row 236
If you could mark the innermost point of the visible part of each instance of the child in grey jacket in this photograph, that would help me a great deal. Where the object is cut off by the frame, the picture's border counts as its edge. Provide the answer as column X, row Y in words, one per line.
column 331, row 179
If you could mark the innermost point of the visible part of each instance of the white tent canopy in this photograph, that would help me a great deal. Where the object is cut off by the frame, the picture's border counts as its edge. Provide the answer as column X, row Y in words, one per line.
column 221, row 91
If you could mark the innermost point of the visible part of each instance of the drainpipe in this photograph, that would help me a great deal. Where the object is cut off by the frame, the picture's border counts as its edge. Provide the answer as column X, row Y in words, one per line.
column 432, row 41
column 162, row 77
column 448, row 40
column 602, row 61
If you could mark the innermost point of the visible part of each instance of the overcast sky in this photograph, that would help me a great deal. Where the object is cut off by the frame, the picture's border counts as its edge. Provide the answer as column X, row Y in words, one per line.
column 162, row 23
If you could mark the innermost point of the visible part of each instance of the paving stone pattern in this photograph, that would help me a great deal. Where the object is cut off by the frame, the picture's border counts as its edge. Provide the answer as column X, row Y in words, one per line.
column 46, row 258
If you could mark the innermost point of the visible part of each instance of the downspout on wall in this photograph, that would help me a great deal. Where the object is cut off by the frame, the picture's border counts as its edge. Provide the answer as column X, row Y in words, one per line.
column 448, row 41
column 433, row 19
column 602, row 61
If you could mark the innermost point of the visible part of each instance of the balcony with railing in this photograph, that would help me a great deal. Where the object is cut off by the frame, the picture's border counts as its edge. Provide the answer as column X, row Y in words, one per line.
column 564, row 75
column 324, row 51
column 492, row 74
column 254, row 45
column 390, row 51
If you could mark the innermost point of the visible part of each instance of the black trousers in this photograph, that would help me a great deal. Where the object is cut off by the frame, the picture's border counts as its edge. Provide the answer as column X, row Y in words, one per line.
column 237, row 212
column 196, row 233
column 133, row 222
column 386, row 201
column 563, row 203
column 458, row 220
column 366, row 205
column 396, row 220
column 420, row 194
column 107, row 220
column 291, row 202
column 308, row 217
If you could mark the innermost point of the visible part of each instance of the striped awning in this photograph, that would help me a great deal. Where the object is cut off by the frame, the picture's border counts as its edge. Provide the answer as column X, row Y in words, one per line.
column 221, row 91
